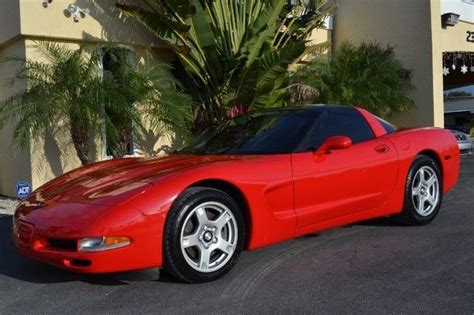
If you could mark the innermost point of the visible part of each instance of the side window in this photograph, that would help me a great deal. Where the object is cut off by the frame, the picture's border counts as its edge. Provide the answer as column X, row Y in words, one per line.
column 389, row 128
column 340, row 122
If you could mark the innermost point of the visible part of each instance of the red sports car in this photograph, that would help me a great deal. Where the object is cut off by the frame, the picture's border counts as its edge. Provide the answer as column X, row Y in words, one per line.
column 259, row 179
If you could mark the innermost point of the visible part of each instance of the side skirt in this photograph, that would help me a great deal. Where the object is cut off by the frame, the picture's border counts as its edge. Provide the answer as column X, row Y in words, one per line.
column 351, row 218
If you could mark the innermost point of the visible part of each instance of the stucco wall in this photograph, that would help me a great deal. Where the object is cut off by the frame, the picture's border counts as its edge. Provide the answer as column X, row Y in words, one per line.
column 319, row 36
column 453, row 38
column 104, row 22
column 26, row 21
column 9, row 20
column 55, row 154
column 437, row 59
column 51, row 154
column 407, row 25
column 14, row 163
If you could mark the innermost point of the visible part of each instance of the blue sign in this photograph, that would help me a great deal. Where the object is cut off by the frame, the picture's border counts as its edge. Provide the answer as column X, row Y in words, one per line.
column 23, row 189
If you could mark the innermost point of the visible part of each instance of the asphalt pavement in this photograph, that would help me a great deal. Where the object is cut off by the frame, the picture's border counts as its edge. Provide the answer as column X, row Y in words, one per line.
column 370, row 267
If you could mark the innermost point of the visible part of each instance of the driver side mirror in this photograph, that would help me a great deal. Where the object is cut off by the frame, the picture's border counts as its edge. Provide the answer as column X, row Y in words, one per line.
column 334, row 143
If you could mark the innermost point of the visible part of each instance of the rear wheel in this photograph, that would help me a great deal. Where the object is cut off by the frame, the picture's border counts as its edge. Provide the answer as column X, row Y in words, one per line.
column 204, row 235
column 423, row 192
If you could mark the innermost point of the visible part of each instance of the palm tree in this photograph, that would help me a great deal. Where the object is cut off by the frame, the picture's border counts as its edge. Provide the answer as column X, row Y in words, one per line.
column 366, row 75
column 233, row 54
column 141, row 98
column 68, row 87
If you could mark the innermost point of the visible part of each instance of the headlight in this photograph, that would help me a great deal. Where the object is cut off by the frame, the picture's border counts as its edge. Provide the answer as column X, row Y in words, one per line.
column 95, row 244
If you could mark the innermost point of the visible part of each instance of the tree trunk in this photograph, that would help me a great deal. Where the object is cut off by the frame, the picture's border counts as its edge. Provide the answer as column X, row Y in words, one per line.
column 81, row 136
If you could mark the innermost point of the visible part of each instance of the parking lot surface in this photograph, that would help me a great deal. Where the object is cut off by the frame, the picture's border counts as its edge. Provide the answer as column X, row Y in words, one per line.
column 370, row 267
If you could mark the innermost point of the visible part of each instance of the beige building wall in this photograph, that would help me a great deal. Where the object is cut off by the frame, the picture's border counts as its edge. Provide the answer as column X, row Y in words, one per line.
column 9, row 20
column 103, row 23
column 23, row 22
column 14, row 162
column 407, row 25
column 454, row 38
column 319, row 36
column 53, row 154
column 437, row 59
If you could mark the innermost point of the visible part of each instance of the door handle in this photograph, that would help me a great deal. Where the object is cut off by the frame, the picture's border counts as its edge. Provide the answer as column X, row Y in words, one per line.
column 382, row 148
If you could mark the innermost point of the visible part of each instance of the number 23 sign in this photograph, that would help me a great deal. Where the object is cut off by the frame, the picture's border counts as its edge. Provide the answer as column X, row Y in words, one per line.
column 470, row 36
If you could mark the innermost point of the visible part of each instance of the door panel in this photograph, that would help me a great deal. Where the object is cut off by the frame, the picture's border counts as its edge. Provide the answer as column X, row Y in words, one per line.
column 342, row 182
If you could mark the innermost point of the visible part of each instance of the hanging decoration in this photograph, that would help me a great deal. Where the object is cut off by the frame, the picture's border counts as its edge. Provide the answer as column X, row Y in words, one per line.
column 451, row 60
column 471, row 61
column 464, row 67
column 445, row 71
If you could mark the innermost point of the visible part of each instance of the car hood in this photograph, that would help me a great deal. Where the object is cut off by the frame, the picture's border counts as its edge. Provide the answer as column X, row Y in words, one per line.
column 116, row 181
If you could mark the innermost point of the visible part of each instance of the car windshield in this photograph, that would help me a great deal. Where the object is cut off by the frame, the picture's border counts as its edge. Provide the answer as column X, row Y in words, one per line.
column 277, row 132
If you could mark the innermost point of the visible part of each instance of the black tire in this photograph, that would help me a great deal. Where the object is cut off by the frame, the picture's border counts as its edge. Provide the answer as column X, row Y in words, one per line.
column 175, row 262
column 410, row 215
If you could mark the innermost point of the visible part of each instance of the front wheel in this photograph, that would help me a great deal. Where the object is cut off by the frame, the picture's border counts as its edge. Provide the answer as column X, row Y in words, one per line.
column 204, row 235
column 423, row 192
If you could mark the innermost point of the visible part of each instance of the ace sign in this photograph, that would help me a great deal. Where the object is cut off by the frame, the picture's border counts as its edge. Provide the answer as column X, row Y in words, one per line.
column 23, row 189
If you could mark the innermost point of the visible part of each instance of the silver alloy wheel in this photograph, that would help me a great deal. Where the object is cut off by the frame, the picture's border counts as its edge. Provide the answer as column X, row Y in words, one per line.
column 425, row 191
column 209, row 237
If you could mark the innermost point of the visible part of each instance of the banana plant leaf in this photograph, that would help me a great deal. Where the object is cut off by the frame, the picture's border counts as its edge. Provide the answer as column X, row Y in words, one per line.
column 233, row 52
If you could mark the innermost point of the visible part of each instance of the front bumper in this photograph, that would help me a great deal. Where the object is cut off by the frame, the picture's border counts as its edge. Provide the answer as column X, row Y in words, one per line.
column 40, row 240
column 122, row 259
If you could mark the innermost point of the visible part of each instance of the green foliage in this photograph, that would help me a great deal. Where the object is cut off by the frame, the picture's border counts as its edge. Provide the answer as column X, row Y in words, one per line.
column 140, row 98
column 68, row 87
column 367, row 75
column 233, row 53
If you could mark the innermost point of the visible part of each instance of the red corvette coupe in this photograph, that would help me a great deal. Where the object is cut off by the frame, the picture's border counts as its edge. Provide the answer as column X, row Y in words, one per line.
column 261, row 178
